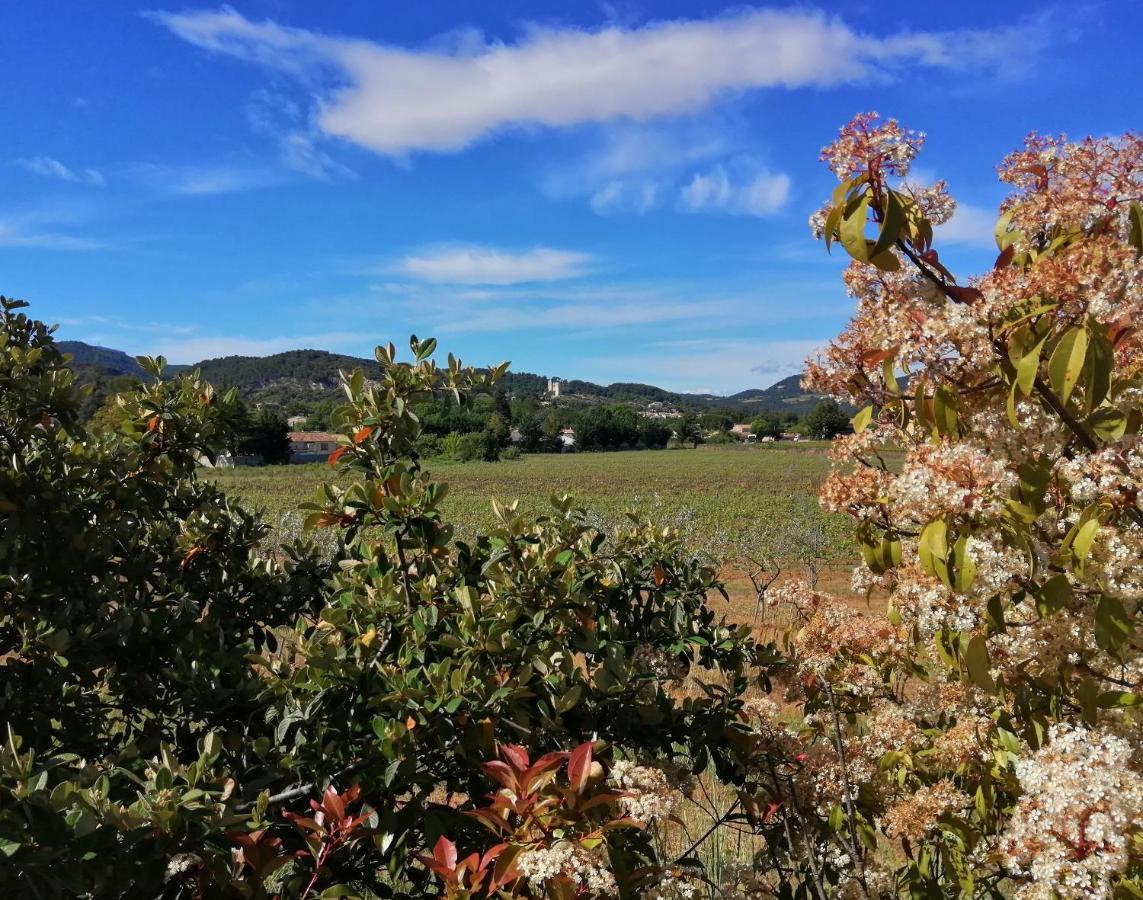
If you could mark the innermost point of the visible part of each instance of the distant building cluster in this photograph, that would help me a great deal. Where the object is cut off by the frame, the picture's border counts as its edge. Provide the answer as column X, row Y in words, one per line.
column 657, row 409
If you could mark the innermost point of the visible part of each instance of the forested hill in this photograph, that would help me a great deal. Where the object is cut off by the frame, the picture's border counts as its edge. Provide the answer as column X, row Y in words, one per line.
column 110, row 362
column 308, row 375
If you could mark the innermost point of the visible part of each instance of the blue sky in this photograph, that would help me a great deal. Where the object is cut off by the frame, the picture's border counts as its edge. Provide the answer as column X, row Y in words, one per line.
column 610, row 191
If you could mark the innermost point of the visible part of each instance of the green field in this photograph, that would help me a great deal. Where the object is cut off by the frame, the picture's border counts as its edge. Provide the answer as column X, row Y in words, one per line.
column 720, row 496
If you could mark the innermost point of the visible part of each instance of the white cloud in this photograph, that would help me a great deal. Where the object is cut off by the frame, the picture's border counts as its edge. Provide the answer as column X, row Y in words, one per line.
column 760, row 194
column 395, row 100
column 48, row 167
column 970, row 226
column 486, row 265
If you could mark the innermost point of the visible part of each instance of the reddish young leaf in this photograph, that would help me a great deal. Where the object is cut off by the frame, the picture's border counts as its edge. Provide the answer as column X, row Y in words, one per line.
column 876, row 357
column 515, row 755
column 500, row 772
column 963, row 294
column 444, row 851
column 579, row 767
column 332, row 804
column 362, row 434
column 336, row 455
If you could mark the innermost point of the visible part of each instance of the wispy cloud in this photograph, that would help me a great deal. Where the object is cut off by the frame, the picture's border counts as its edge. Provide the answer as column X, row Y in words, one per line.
column 487, row 265
column 40, row 230
column 445, row 97
column 47, row 167
column 759, row 194
column 203, row 180
column 970, row 226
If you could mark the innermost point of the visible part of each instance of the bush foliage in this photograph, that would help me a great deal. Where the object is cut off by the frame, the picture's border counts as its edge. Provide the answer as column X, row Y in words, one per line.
column 177, row 696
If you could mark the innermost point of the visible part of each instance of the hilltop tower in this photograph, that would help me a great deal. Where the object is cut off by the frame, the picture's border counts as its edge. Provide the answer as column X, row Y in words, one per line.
column 554, row 387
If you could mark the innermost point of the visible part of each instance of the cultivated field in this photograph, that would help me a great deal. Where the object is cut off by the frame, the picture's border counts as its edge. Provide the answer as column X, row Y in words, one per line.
column 731, row 502
column 713, row 489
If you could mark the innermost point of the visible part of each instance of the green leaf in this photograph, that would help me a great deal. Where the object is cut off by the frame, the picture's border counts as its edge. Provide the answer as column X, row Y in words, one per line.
column 886, row 261
column 1113, row 625
column 1097, row 368
column 831, row 224
column 1135, row 225
column 945, row 413
column 426, row 349
column 1024, row 352
column 978, row 665
column 852, row 230
column 1088, row 696
column 1119, row 700
column 861, row 420
column 1004, row 236
column 1053, row 595
column 933, row 549
column 1108, row 423
column 1067, row 362
column 891, row 226
column 962, row 569
column 1082, row 540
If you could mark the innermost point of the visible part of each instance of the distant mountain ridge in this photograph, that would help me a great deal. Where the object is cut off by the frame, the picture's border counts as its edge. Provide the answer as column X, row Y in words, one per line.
column 313, row 374
column 112, row 362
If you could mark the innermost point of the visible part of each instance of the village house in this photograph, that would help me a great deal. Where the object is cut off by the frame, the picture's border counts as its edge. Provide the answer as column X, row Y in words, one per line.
column 311, row 446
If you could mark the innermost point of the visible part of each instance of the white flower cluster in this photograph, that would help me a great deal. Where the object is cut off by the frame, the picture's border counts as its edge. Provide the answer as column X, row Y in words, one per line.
column 586, row 872
column 648, row 795
column 1082, row 805
column 675, row 884
column 659, row 663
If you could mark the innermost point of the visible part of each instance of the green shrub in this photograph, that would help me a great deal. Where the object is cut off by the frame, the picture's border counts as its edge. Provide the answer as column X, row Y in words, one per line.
column 178, row 699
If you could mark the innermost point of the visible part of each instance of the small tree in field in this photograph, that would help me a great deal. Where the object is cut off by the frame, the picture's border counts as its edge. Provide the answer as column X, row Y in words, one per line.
column 767, row 425
column 826, row 420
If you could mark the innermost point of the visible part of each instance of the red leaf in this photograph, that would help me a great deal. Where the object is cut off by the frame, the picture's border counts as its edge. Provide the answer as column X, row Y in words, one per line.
column 445, row 852
column 547, row 763
column 500, row 772
column 515, row 755
column 362, row 433
column 876, row 357
column 579, row 767
column 1005, row 257
column 489, row 818
column 963, row 294
column 333, row 805
column 660, row 576
column 336, row 455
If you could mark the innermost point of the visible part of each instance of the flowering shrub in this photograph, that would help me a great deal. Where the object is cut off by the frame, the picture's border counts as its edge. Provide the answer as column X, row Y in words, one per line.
column 984, row 738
